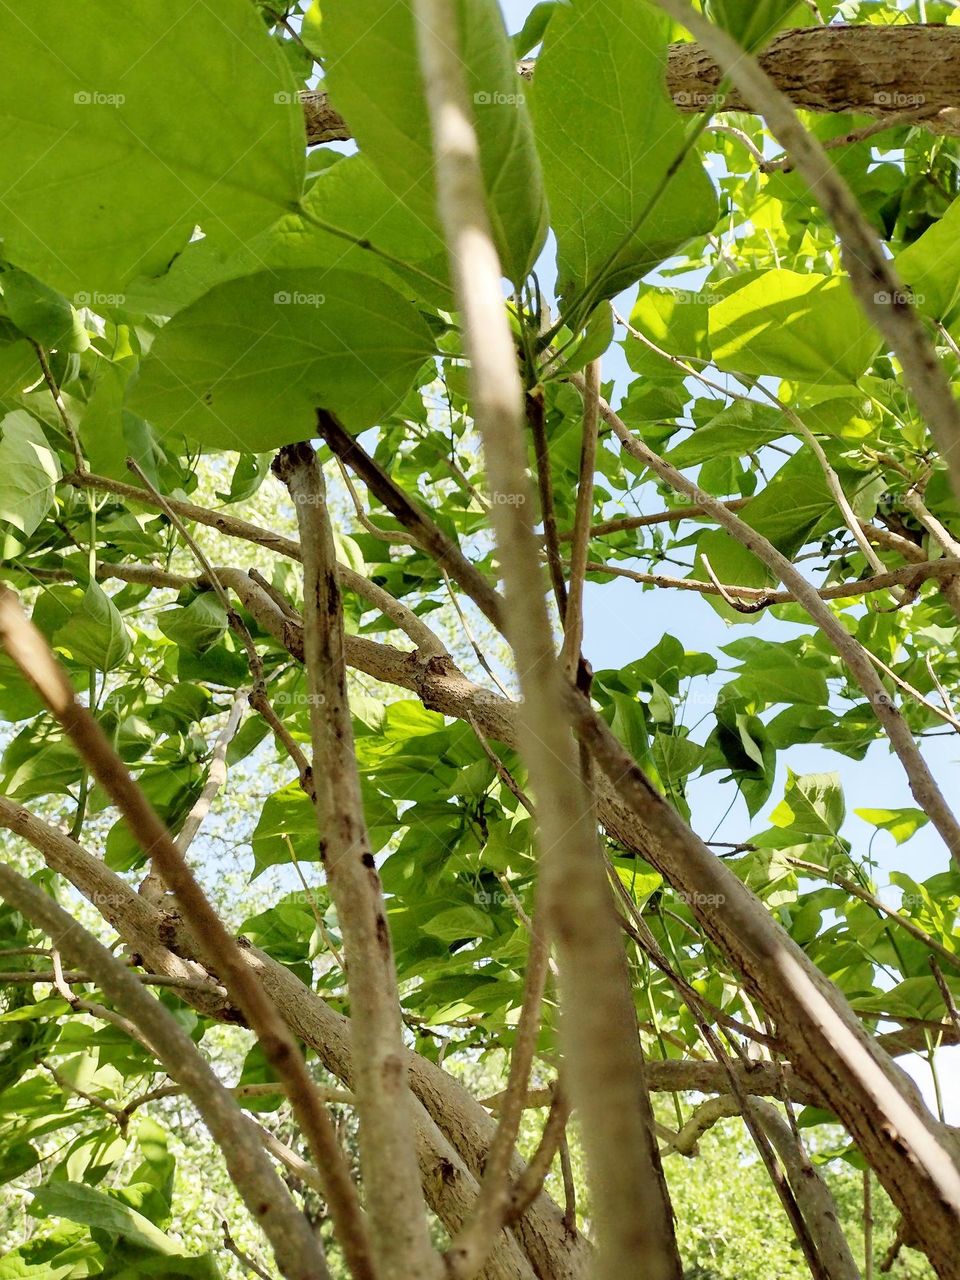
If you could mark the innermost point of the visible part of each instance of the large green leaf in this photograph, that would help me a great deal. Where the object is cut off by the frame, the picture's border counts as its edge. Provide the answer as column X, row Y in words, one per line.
column 792, row 325
column 812, row 804
column 118, row 138
column 79, row 1203
column 94, row 632
column 607, row 134
column 29, row 469
column 375, row 80
column 247, row 365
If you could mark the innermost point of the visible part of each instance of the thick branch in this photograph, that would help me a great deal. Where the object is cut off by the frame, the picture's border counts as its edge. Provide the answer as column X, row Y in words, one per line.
column 599, row 1035
column 877, row 70
column 397, row 1209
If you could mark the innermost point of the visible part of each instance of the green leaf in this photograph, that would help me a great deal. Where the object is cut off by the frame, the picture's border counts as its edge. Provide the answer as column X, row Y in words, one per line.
column 42, row 313
column 374, row 78
column 675, row 320
column 741, row 428
column 95, row 633
column 812, row 804
column 29, row 469
column 901, row 823
column 534, row 27
column 930, row 267
column 79, row 1203
column 793, row 325
column 459, row 923
column 607, row 133
column 247, row 365
column 287, row 818
column 197, row 625
column 135, row 128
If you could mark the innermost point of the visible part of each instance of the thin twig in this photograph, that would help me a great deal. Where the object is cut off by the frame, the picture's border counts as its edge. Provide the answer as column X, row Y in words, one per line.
column 573, row 616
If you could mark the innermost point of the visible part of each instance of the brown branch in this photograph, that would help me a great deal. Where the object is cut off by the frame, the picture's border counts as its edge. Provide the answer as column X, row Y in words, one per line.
column 297, row 1250
column 573, row 616
column 427, row 534
column 599, row 1035
column 910, row 575
column 32, row 655
column 536, row 421
column 922, row 783
column 446, row 1113
column 388, row 1158
column 470, row 1247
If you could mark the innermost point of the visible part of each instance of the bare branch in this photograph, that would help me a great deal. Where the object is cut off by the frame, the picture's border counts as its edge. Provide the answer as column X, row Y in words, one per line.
column 599, row 1034
column 31, row 653
column 295, row 1246
column 397, row 1209
column 922, row 783
column 427, row 534
column 573, row 617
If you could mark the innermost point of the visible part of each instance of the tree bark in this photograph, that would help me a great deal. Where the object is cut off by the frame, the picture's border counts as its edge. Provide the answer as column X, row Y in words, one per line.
column 878, row 71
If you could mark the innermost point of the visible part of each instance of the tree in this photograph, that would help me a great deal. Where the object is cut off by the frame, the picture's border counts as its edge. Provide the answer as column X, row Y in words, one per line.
column 307, row 524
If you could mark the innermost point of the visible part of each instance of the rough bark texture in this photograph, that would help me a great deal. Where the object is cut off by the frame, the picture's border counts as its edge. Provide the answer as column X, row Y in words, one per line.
column 879, row 71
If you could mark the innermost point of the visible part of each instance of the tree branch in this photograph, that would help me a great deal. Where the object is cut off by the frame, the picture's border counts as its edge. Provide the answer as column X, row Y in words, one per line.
column 922, row 783
column 869, row 69
column 32, row 655
column 295, row 1246
column 394, row 1195
column 599, row 1035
